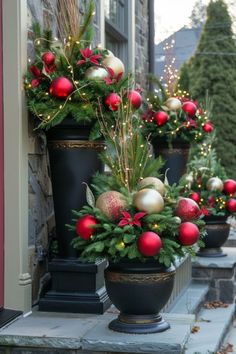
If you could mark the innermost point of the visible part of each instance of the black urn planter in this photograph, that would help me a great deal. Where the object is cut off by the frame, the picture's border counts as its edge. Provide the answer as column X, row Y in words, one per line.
column 174, row 156
column 75, row 286
column 139, row 291
column 217, row 233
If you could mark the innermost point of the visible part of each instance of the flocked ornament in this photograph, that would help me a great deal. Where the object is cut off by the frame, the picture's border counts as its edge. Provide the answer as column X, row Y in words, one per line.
column 134, row 98
column 84, row 226
column 173, row 103
column 188, row 234
column 230, row 205
column 152, row 182
column 112, row 101
column 160, row 118
column 48, row 58
column 187, row 209
column 149, row 244
column 229, row 186
column 214, row 184
column 115, row 64
column 194, row 196
column 148, row 200
column 111, row 204
column 96, row 73
column 189, row 108
column 61, row 87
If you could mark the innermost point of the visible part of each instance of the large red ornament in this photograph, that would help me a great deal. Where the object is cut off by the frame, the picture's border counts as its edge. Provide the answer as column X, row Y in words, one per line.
column 207, row 127
column 188, row 234
column 149, row 244
column 112, row 101
column 60, row 87
column 134, row 98
column 231, row 205
column 160, row 118
column 229, row 187
column 84, row 227
column 48, row 58
column 111, row 204
column 190, row 108
column 187, row 209
column 194, row 196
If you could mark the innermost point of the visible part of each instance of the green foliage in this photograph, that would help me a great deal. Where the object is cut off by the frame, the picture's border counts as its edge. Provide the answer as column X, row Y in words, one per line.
column 213, row 68
column 183, row 82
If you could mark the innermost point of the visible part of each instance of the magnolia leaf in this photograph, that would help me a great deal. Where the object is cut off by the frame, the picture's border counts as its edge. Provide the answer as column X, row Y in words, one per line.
column 89, row 196
column 166, row 182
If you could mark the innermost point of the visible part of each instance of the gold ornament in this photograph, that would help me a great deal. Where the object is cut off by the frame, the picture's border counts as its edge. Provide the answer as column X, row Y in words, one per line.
column 177, row 220
column 173, row 103
column 111, row 204
column 96, row 73
column 149, row 201
column 152, row 182
column 115, row 64
column 120, row 246
column 110, row 54
column 215, row 184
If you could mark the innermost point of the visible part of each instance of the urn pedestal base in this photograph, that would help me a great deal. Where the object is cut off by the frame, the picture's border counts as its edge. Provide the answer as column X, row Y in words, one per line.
column 139, row 324
column 76, row 287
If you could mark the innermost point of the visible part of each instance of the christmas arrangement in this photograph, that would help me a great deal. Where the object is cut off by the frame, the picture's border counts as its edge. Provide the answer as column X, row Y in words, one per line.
column 176, row 117
column 67, row 77
column 131, row 213
column 207, row 184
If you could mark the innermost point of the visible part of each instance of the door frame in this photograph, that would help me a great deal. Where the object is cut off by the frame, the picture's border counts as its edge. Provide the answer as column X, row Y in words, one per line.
column 1, row 174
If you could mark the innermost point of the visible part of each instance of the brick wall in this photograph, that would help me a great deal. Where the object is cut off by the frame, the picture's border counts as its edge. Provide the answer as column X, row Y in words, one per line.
column 41, row 221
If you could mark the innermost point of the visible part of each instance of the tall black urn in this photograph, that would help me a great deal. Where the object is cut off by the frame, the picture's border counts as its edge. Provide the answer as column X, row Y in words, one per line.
column 175, row 157
column 75, row 286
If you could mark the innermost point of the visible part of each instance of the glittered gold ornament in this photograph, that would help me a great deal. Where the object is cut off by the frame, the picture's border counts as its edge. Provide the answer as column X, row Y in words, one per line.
column 153, row 183
column 111, row 204
column 149, row 201
column 173, row 103
column 115, row 64
column 96, row 73
column 215, row 184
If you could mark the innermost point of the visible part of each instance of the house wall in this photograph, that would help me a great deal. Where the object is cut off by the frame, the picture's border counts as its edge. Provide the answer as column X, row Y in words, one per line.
column 41, row 221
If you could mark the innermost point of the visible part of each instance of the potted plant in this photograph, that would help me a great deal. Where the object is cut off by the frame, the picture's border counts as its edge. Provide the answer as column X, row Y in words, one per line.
column 138, row 224
column 173, row 123
column 207, row 184
column 63, row 86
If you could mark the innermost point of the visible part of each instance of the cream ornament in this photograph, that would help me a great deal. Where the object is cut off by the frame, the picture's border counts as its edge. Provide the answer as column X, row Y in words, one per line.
column 173, row 104
column 215, row 184
column 148, row 200
column 154, row 183
column 96, row 73
column 115, row 64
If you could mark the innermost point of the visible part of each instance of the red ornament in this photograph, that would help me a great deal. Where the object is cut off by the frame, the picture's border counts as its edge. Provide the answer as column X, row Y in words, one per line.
column 194, row 196
column 188, row 234
column 149, row 244
column 134, row 98
column 83, row 226
column 160, row 118
column 229, row 187
column 112, row 101
column 207, row 127
column 231, row 205
column 48, row 58
column 60, row 87
column 187, row 209
column 190, row 108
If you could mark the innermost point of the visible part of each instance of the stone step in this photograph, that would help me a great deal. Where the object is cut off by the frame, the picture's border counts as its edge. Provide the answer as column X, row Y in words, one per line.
column 191, row 299
column 231, row 242
column 219, row 272
column 213, row 326
column 231, row 338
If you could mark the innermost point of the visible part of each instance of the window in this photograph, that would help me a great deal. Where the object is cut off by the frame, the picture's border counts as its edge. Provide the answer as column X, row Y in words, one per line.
column 116, row 28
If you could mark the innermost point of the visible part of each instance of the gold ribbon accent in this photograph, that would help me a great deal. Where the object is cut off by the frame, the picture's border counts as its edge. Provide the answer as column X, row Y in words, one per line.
column 77, row 144
column 138, row 278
